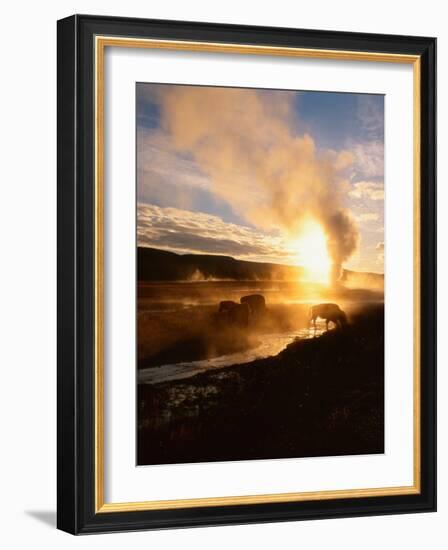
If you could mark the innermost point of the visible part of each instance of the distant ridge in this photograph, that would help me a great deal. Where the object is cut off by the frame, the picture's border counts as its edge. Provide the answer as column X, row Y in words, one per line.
column 160, row 265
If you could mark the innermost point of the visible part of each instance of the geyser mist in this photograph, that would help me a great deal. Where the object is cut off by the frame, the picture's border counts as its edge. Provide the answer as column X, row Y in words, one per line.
column 251, row 145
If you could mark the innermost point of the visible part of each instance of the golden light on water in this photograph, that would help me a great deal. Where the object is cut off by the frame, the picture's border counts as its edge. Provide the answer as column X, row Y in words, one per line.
column 312, row 253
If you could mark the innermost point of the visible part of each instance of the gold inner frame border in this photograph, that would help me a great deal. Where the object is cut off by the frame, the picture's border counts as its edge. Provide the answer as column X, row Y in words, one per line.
column 100, row 44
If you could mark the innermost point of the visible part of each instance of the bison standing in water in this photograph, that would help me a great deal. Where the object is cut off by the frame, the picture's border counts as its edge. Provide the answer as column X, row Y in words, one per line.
column 251, row 307
column 234, row 313
column 239, row 315
column 256, row 303
column 329, row 312
column 226, row 305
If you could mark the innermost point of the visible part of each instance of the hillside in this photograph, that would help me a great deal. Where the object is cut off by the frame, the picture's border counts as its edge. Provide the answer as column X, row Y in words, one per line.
column 160, row 265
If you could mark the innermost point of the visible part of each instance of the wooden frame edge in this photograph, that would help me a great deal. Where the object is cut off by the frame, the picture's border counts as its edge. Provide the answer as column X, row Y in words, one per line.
column 100, row 43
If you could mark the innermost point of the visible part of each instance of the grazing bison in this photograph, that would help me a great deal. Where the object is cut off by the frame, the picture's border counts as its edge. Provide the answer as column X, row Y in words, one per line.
column 329, row 312
column 233, row 313
column 226, row 305
column 256, row 303
column 239, row 315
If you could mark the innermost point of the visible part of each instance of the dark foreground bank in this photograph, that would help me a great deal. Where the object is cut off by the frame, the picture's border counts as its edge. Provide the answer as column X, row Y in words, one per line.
column 319, row 397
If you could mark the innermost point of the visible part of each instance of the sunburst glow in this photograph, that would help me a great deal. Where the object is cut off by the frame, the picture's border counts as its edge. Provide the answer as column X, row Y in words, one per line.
column 312, row 253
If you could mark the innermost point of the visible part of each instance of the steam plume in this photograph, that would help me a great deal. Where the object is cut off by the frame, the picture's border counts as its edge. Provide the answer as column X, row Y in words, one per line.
column 272, row 176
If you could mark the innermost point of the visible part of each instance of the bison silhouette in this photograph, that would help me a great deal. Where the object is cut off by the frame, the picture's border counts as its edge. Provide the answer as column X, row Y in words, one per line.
column 256, row 303
column 329, row 312
column 239, row 315
column 234, row 313
column 226, row 305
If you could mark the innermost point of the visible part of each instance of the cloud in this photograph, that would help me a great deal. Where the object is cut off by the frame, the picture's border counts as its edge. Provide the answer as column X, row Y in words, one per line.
column 370, row 114
column 380, row 256
column 163, row 173
column 369, row 152
column 344, row 160
column 367, row 189
column 369, row 159
column 248, row 153
column 368, row 217
column 192, row 232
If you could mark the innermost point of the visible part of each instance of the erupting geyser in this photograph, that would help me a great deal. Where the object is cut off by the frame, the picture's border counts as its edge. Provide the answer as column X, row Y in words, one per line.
column 252, row 140
column 312, row 252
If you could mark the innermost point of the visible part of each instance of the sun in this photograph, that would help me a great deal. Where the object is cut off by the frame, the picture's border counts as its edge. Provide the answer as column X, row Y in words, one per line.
column 312, row 253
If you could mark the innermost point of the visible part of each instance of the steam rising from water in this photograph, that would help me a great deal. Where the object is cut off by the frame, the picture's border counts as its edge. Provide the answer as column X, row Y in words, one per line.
column 247, row 142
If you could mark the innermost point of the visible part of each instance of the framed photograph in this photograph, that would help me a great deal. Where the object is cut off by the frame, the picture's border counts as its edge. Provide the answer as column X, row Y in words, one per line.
column 246, row 274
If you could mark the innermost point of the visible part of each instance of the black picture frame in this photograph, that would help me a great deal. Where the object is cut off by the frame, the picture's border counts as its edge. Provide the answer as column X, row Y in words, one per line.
column 76, row 285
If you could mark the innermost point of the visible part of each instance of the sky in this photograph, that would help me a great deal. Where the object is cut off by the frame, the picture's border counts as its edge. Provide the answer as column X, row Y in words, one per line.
column 243, row 172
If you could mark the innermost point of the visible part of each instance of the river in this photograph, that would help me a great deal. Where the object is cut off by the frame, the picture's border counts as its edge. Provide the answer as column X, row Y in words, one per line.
column 270, row 345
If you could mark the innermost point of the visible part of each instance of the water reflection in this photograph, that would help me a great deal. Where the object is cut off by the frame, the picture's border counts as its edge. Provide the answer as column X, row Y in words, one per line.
column 270, row 345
